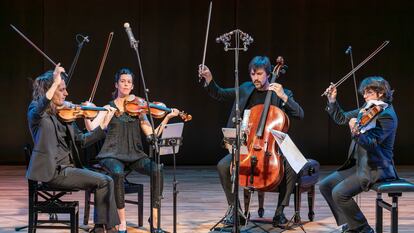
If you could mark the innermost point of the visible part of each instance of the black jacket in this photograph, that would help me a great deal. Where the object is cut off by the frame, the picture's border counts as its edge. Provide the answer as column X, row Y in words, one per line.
column 291, row 107
column 43, row 128
column 372, row 151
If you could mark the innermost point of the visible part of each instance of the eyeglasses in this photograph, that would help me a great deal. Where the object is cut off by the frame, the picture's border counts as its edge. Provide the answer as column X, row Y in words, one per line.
column 369, row 92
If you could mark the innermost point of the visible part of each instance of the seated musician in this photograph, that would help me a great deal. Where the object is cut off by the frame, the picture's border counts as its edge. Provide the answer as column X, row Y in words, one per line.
column 55, row 158
column 370, row 157
column 123, row 145
column 253, row 93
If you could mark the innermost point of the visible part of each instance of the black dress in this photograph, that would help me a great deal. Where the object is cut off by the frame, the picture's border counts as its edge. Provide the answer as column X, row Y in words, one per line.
column 123, row 139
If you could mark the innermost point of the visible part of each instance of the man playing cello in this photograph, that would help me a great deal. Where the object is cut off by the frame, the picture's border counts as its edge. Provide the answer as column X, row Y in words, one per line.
column 253, row 93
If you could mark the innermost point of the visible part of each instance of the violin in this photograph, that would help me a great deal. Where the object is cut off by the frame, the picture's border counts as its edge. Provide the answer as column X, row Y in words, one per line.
column 134, row 106
column 367, row 116
column 69, row 112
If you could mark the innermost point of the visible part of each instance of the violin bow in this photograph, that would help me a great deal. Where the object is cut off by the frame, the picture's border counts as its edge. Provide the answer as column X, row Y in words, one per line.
column 38, row 49
column 343, row 79
column 205, row 41
column 98, row 76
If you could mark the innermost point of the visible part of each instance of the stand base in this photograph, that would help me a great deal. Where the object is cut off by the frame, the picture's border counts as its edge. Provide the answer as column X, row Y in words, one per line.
column 295, row 221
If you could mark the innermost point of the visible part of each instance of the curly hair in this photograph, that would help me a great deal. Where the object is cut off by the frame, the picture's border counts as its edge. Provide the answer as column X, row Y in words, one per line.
column 379, row 85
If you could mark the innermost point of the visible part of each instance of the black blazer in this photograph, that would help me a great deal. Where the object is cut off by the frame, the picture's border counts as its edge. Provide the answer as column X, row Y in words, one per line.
column 291, row 107
column 372, row 151
column 43, row 128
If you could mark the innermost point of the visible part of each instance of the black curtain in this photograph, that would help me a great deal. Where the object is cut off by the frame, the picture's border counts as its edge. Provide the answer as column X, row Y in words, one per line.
column 311, row 35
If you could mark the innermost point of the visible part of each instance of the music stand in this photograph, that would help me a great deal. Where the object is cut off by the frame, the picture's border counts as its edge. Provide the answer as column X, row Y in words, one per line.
column 230, row 139
column 170, row 143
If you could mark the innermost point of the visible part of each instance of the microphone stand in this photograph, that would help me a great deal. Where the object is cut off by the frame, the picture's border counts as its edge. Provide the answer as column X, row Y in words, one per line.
column 351, row 57
column 154, row 147
column 247, row 40
column 75, row 59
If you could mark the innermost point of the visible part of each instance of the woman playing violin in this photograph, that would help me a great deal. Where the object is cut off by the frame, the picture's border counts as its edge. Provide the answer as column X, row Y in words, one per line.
column 123, row 145
column 55, row 158
column 370, row 157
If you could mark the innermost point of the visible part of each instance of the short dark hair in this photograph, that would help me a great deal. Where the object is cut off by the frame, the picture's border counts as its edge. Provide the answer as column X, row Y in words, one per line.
column 118, row 76
column 259, row 62
column 42, row 84
column 379, row 85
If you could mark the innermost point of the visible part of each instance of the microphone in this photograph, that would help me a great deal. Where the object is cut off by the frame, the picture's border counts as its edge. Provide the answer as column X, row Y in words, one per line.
column 131, row 37
column 348, row 50
column 86, row 39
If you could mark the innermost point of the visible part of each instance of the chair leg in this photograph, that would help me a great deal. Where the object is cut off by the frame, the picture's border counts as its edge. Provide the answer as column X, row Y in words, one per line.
column 77, row 219
column 311, row 203
column 72, row 222
column 87, row 207
column 378, row 214
column 394, row 215
column 141, row 205
column 261, row 196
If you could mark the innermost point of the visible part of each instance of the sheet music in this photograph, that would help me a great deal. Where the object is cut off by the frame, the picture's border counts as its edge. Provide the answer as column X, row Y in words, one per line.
column 171, row 131
column 292, row 154
column 230, row 133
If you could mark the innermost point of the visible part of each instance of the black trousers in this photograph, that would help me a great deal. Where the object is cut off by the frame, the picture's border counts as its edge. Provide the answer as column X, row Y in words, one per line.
column 76, row 178
column 143, row 166
column 338, row 189
column 286, row 187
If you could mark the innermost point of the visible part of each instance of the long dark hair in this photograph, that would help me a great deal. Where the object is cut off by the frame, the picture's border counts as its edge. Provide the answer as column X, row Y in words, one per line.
column 41, row 85
column 379, row 85
column 118, row 76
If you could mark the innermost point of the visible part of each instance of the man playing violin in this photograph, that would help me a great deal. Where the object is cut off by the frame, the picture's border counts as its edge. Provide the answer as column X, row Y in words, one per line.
column 55, row 158
column 370, row 157
column 123, row 145
column 253, row 93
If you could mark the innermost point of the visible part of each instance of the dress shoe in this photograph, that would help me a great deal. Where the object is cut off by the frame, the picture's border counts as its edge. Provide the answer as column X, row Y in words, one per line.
column 279, row 220
column 97, row 229
column 366, row 229
column 344, row 228
column 155, row 230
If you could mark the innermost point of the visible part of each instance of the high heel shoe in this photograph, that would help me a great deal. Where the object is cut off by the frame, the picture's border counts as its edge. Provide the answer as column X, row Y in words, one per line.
column 156, row 230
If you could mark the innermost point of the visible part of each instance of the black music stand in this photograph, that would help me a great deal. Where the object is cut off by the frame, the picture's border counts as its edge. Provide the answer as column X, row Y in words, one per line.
column 230, row 139
column 169, row 143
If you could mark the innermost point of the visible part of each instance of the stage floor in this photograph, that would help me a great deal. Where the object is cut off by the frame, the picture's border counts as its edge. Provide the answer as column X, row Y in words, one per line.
column 201, row 203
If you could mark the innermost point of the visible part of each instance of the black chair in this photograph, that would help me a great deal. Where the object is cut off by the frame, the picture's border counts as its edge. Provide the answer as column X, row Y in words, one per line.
column 394, row 189
column 308, row 177
column 46, row 199
column 130, row 187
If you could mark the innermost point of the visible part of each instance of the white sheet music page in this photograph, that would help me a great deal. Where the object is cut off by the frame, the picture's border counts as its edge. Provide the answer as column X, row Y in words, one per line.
column 292, row 154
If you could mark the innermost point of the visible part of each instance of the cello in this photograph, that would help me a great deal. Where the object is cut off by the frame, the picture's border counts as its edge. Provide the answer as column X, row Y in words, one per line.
column 262, row 167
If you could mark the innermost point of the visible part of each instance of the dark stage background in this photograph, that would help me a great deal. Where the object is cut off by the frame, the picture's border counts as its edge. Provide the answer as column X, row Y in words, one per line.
column 311, row 35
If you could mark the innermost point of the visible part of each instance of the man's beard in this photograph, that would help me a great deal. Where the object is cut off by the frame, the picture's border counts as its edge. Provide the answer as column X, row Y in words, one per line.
column 258, row 85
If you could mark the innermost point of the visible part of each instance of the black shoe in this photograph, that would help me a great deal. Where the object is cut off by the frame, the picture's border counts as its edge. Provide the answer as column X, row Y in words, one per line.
column 260, row 212
column 97, row 229
column 155, row 230
column 279, row 220
column 344, row 228
column 366, row 229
